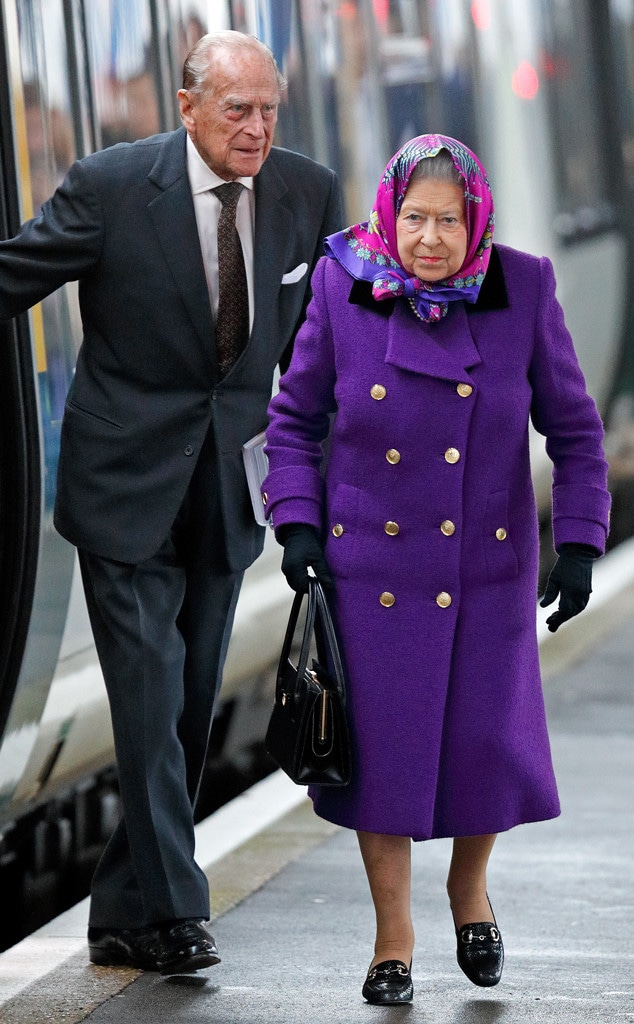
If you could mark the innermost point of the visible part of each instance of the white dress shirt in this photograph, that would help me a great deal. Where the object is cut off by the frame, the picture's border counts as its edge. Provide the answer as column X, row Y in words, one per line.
column 207, row 209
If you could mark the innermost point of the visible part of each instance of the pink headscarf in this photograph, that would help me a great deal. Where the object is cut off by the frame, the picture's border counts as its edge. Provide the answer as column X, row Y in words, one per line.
column 369, row 251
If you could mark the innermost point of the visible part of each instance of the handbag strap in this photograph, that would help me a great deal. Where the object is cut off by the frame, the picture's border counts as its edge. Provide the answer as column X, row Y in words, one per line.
column 291, row 630
column 318, row 622
column 327, row 647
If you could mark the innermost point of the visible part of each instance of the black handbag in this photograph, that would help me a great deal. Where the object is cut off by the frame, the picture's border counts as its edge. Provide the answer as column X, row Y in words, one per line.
column 307, row 735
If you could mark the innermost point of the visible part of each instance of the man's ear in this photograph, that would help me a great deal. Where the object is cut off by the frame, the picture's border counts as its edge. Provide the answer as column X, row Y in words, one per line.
column 186, row 107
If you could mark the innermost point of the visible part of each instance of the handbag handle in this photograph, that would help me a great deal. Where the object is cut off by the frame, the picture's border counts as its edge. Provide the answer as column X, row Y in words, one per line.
column 327, row 647
column 309, row 624
column 319, row 622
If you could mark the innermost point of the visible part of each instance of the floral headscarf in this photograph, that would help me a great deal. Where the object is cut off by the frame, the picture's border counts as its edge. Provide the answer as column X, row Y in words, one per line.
column 369, row 251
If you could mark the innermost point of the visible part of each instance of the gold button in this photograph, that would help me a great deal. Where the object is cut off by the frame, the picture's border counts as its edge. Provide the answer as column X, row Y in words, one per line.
column 447, row 527
column 501, row 533
column 378, row 392
column 387, row 599
column 391, row 528
column 444, row 599
column 452, row 455
column 393, row 456
column 464, row 390
column 337, row 530
column 265, row 498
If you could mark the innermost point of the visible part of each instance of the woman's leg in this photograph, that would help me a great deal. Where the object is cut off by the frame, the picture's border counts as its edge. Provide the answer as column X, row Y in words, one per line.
column 387, row 861
column 467, row 879
column 480, row 952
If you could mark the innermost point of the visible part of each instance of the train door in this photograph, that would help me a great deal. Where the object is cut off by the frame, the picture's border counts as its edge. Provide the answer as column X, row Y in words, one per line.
column 19, row 476
column 37, row 142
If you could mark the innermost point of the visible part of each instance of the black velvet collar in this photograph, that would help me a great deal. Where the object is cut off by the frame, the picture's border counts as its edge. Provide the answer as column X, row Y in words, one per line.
column 492, row 294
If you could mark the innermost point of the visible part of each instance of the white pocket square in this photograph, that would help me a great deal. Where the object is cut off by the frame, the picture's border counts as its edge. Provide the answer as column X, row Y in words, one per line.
column 295, row 275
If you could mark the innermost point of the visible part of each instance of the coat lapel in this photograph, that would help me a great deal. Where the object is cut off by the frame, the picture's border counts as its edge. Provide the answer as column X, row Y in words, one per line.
column 273, row 231
column 174, row 220
column 445, row 349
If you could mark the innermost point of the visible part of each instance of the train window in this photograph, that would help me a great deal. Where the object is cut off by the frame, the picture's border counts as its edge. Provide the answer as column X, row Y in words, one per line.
column 622, row 44
column 124, row 72
column 365, row 77
column 188, row 21
column 50, row 142
column 318, row 47
column 301, row 124
column 450, row 89
column 48, row 120
column 426, row 61
column 573, row 97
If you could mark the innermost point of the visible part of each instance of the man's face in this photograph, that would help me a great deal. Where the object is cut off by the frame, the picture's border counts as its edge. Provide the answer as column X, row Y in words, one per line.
column 232, row 126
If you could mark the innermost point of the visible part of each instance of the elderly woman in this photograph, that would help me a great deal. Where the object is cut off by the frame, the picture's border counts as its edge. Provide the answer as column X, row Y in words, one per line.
column 433, row 349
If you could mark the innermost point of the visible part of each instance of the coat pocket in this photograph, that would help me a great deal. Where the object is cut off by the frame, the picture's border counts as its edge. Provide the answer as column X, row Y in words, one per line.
column 97, row 417
column 499, row 552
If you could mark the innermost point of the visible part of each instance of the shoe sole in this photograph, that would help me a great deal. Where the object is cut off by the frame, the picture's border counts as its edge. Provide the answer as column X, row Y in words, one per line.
column 481, row 982
column 387, row 998
column 389, row 1001
column 190, row 964
column 108, row 958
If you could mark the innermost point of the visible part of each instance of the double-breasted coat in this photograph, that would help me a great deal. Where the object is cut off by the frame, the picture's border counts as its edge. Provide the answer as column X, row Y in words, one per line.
column 430, row 526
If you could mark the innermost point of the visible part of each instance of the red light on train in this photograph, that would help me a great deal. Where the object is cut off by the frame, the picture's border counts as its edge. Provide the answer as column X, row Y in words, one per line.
column 347, row 11
column 382, row 12
column 525, row 81
column 547, row 64
column 481, row 14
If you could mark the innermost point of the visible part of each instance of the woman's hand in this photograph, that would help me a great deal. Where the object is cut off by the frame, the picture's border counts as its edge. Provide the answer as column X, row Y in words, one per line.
column 571, row 579
column 302, row 549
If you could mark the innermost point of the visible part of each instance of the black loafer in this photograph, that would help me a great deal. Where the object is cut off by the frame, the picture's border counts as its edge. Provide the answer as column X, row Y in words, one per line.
column 126, row 947
column 480, row 953
column 187, row 946
column 389, row 982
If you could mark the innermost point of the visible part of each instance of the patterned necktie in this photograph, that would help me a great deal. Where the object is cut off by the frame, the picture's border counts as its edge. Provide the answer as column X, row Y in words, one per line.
column 232, row 324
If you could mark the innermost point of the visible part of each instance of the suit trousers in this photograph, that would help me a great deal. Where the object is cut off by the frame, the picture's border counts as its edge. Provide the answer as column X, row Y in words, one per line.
column 161, row 629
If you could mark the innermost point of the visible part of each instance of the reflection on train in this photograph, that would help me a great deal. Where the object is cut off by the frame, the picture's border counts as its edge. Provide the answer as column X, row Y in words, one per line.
column 543, row 90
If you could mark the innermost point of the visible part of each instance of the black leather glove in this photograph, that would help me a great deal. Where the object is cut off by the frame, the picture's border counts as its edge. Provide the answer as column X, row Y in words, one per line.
column 302, row 548
column 571, row 579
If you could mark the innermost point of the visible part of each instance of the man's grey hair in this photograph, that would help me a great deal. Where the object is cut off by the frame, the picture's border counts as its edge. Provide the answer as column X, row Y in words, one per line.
column 198, row 66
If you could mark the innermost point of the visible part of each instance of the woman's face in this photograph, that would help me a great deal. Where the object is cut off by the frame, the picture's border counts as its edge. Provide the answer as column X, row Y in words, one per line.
column 431, row 229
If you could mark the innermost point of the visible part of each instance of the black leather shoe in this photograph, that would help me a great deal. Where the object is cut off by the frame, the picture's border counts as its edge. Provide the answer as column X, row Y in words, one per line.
column 480, row 953
column 126, row 947
column 389, row 982
column 186, row 946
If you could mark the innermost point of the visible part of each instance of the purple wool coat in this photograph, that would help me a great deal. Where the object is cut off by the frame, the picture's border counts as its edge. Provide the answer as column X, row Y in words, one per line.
column 428, row 514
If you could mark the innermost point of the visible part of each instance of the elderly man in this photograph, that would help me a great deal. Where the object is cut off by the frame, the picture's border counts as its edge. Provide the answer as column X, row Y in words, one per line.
column 193, row 251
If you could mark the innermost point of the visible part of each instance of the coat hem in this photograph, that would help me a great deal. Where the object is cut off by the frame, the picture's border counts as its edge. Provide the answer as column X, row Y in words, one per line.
column 488, row 829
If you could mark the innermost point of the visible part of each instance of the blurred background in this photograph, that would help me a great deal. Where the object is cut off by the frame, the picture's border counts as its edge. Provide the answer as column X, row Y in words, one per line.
column 542, row 90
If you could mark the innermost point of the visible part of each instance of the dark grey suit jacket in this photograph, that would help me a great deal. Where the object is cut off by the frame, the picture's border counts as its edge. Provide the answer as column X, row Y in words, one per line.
column 146, row 388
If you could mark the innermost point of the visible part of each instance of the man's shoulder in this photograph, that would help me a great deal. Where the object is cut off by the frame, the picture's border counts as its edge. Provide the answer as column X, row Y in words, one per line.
column 142, row 152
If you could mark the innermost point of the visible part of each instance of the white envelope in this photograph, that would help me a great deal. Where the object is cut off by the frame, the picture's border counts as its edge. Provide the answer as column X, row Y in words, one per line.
column 256, row 466
column 295, row 275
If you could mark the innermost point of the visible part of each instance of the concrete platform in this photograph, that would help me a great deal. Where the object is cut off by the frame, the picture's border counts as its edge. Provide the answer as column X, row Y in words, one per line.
column 292, row 912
